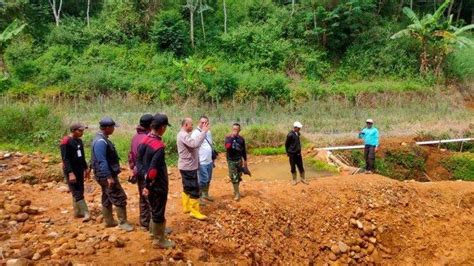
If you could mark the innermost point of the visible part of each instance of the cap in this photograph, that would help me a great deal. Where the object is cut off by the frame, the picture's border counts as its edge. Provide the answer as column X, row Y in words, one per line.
column 76, row 126
column 160, row 120
column 107, row 122
column 145, row 120
column 371, row 121
column 297, row 124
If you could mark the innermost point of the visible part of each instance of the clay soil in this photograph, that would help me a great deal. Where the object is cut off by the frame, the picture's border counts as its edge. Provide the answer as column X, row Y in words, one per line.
column 366, row 219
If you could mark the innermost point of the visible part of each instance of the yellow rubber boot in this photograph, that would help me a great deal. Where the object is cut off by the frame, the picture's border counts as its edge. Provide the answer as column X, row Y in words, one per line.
column 195, row 210
column 185, row 202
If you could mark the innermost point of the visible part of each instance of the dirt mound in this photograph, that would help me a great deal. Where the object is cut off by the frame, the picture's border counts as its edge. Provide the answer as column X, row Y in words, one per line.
column 347, row 220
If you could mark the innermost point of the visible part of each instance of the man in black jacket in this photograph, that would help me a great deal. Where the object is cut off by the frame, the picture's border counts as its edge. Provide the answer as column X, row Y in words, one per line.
column 105, row 162
column 293, row 150
column 151, row 166
column 75, row 168
column 236, row 158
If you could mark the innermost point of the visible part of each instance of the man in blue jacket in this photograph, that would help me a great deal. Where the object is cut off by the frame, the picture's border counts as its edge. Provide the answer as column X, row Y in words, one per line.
column 370, row 135
column 106, row 166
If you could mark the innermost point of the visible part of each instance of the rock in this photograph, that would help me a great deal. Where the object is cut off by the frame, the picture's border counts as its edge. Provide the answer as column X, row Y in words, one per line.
column 203, row 256
column 368, row 231
column 24, row 203
column 21, row 217
column 24, row 160
column 178, row 255
column 12, row 223
column 353, row 222
column 18, row 262
column 13, row 208
column 26, row 253
column 343, row 247
column 119, row 243
column 53, row 235
column 14, row 178
column 27, row 228
column 372, row 240
column 355, row 248
column 335, row 249
column 81, row 238
column 376, row 257
column 89, row 251
column 112, row 238
column 36, row 257
column 31, row 210
column 63, row 189
column 360, row 225
column 332, row 256
column 45, row 161
column 370, row 249
column 7, row 155
column 45, row 252
column 359, row 213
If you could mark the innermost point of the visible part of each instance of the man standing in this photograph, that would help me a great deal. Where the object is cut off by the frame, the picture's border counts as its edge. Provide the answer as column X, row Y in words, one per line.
column 206, row 164
column 236, row 157
column 142, row 131
column 151, row 167
column 188, row 165
column 293, row 150
column 75, row 168
column 105, row 162
column 370, row 135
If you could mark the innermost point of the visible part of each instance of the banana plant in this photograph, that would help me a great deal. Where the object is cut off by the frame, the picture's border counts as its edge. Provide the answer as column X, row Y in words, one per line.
column 7, row 34
column 436, row 35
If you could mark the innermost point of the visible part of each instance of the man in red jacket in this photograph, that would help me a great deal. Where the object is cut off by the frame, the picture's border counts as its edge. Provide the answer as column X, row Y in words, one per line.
column 142, row 131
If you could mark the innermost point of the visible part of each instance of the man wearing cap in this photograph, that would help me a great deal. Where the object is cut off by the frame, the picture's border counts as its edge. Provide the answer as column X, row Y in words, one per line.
column 151, row 166
column 188, row 165
column 142, row 131
column 236, row 154
column 75, row 168
column 206, row 163
column 105, row 162
column 293, row 150
column 370, row 135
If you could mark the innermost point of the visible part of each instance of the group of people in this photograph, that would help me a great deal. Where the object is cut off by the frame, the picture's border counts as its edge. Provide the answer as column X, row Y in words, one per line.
column 147, row 162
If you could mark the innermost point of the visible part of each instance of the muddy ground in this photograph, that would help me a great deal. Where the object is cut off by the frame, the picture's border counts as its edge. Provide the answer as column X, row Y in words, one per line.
column 367, row 219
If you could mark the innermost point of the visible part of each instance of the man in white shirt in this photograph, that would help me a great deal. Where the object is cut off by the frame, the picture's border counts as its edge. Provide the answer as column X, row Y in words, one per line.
column 206, row 163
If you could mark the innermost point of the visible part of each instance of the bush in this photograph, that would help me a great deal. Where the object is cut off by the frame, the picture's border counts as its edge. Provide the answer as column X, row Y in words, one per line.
column 461, row 166
column 260, row 136
column 29, row 125
column 169, row 32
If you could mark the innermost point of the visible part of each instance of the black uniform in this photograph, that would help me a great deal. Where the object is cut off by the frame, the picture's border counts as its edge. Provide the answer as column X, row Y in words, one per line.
column 105, row 163
column 151, row 166
column 74, row 161
column 293, row 149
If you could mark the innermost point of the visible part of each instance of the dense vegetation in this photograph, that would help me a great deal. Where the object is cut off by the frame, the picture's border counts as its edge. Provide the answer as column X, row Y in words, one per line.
column 218, row 50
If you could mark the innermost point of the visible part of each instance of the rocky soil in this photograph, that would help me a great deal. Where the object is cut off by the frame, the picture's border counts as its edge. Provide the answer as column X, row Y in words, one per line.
column 361, row 219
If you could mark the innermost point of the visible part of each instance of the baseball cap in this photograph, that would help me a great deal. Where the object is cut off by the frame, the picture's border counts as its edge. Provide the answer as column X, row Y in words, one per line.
column 145, row 120
column 297, row 124
column 369, row 121
column 76, row 126
column 107, row 122
column 160, row 120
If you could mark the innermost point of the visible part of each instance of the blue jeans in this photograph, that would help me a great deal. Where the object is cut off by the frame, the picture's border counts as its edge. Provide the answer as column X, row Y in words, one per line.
column 205, row 174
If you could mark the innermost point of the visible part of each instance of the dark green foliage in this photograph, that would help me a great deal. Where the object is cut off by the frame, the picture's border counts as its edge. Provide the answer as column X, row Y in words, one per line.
column 170, row 33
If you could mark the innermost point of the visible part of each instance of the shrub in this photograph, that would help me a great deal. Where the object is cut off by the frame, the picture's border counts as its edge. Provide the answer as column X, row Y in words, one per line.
column 258, row 136
column 169, row 32
column 28, row 125
column 461, row 166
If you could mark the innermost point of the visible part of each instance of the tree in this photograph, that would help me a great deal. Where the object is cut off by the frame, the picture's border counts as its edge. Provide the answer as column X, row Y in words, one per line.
column 56, row 10
column 225, row 15
column 7, row 35
column 87, row 12
column 202, row 9
column 191, row 5
column 437, row 37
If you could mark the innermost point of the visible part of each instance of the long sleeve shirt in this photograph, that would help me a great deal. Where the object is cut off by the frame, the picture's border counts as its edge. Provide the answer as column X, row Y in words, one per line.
column 105, row 160
column 235, row 148
column 370, row 136
column 151, row 163
column 136, row 140
column 292, row 143
column 205, row 150
column 72, row 155
column 188, row 159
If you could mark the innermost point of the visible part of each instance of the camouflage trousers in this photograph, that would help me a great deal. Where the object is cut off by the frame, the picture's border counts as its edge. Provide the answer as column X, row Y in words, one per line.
column 235, row 170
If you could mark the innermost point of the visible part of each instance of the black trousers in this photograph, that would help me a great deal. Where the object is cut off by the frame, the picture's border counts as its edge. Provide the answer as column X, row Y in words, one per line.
column 114, row 195
column 77, row 188
column 190, row 183
column 144, row 204
column 369, row 156
column 158, row 199
column 296, row 160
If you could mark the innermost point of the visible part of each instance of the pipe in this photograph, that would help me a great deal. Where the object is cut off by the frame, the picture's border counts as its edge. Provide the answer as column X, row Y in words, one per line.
column 430, row 142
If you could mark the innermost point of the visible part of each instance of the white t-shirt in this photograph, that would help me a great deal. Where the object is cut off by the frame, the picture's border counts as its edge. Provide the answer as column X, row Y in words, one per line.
column 205, row 150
